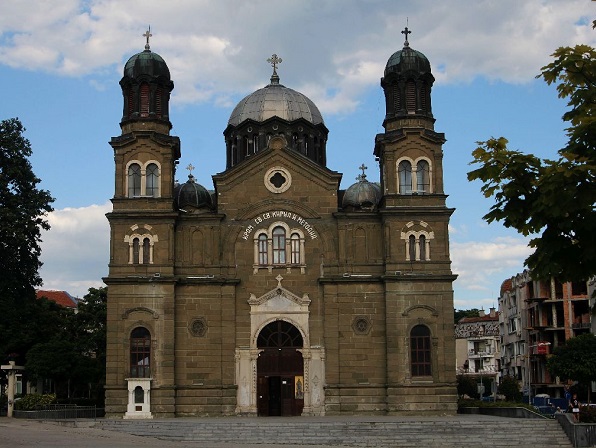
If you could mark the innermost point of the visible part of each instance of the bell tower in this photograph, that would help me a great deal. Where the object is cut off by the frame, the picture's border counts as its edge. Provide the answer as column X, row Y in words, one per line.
column 419, row 291
column 141, row 280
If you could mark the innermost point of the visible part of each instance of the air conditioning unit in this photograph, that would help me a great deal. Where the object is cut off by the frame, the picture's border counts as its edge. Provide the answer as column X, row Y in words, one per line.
column 518, row 332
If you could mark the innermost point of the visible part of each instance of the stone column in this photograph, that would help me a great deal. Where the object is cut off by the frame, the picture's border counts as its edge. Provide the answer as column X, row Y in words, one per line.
column 11, row 370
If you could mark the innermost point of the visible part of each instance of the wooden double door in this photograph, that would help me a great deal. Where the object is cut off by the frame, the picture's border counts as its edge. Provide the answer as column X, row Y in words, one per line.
column 280, row 382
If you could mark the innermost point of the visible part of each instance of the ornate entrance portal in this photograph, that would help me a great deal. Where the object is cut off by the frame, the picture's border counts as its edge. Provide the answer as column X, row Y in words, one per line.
column 280, row 373
column 280, row 370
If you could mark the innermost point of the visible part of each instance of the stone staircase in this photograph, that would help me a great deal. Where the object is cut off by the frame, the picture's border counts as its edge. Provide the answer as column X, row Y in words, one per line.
column 445, row 432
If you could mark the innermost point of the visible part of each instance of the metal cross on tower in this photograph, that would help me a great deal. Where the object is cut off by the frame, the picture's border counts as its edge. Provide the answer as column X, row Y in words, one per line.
column 147, row 35
column 406, row 31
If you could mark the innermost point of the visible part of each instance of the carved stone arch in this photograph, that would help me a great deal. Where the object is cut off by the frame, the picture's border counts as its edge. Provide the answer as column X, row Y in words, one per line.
column 433, row 311
column 141, row 309
column 285, row 318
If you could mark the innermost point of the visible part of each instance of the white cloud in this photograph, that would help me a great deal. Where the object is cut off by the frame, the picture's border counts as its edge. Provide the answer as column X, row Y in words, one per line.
column 332, row 50
column 75, row 251
column 481, row 265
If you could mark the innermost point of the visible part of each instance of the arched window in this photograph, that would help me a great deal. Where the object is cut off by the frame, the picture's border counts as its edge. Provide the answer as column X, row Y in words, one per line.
column 146, row 251
column 423, row 177
column 295, row 248
column 134, row 180
column 262, row 250
column 420, row 351
column 279, row 334
column 279, row 245
column 136, row 250
column 140, row 353
column 422, row 242
column 412, row 247
column 152, row 180
column 404, row 171
column 140, row 246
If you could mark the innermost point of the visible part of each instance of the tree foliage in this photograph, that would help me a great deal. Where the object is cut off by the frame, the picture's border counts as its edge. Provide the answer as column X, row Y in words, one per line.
column 459, row 314
column 75, row 354
column 23, row 215
column 551, row 200
column 575, row 360
column 509, row 387
column 23, row 211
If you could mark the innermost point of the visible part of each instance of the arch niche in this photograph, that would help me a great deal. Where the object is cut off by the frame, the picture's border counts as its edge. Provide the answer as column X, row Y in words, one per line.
column 280, row 373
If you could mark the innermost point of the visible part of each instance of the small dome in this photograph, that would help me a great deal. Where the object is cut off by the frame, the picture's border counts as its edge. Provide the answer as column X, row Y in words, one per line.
column 275, row 100
column 407, row 59
column 146, row 63
column 363, row 195
column 192, row 194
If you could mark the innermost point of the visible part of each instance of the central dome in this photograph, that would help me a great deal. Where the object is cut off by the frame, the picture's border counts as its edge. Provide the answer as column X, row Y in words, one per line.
column 275, row 100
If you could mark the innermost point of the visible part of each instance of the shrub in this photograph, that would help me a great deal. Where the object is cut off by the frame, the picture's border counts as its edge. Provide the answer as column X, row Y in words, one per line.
column 509, row 387
column 587, row 414
column 466, row 385
column 31, row 401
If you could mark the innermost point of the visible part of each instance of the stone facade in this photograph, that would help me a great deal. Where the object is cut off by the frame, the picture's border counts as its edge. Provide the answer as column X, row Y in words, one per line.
column 279, row 293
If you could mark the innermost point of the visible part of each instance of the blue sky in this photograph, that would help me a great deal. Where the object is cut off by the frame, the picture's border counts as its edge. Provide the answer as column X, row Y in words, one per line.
column 60, row 63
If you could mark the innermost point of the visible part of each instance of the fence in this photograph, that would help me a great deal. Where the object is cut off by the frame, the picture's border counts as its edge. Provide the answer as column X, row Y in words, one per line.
column 61, row 412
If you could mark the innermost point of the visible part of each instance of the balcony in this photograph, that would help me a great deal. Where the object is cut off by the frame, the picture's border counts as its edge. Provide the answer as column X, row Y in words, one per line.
column 481, row 354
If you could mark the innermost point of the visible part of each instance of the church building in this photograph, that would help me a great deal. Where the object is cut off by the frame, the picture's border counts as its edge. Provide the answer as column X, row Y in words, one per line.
column 275, row 291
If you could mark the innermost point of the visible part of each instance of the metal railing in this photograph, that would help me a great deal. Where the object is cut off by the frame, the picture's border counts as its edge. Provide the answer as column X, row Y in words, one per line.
column 61, row 412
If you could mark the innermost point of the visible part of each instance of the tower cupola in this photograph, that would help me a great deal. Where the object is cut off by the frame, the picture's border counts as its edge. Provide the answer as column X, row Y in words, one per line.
column 146, row 88
column 407, row 83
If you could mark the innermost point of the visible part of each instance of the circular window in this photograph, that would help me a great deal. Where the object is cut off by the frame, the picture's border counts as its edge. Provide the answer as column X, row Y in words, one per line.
column 361, row 325
column 277, row 179
column 198, row 327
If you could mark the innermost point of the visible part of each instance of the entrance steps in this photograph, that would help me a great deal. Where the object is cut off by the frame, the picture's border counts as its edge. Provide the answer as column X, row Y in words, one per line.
column 358, row 431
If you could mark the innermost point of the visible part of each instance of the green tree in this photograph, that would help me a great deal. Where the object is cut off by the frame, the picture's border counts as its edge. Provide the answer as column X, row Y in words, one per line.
column 509, row 387
column 459, row 314
column 551, row 200
column 467, row 385
column 575, row 360
column 23, row 215
column 74, row 355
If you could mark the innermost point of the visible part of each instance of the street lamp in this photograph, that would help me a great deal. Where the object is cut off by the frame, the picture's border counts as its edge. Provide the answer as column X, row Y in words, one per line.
column 540, row 344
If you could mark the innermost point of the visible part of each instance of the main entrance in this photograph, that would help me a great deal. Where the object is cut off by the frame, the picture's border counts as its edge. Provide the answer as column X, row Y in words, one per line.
column 280, row 370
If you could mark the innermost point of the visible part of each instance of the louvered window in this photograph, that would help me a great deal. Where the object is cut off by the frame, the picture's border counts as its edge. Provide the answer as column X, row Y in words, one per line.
column 144, row 100
column 158, row 98
column 411, row 97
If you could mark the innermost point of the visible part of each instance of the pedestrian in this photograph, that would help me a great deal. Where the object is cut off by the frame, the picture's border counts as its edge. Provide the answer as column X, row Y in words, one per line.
column 574, row 405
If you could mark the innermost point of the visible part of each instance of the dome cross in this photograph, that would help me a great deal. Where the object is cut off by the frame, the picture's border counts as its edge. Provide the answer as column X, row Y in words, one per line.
column 406, row 31
column 362, row 177
column 147, row 35
column 274, row 60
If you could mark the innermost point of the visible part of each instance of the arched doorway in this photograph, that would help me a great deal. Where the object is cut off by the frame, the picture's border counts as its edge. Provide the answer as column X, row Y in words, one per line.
column 280, row 370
